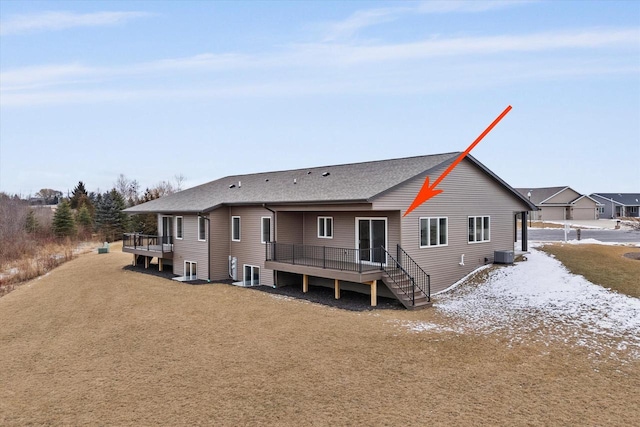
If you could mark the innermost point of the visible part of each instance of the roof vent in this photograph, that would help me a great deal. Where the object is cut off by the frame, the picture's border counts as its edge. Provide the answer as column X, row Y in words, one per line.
column 308, row 172
column 295, row 181
column 232, row 186
column 266, row 180
column 326, row 174
column 239, row 184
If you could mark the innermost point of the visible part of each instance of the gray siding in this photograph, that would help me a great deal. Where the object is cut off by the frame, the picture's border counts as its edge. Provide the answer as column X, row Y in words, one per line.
column 189, row 248
column 289, row 226
column 344, row 227
column 249, row 250
column 219, row 243
column 467, row 191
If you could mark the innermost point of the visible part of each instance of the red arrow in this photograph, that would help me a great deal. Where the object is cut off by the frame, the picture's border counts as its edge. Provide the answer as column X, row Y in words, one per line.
column 428, row 191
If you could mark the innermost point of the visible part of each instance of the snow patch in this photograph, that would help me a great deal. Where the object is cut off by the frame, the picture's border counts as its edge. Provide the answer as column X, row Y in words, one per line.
column 540, row 300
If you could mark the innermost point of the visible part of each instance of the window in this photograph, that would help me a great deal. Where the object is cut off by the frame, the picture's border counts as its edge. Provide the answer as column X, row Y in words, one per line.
column 633, row 209
column 202, row 229
column 190, row 272
column 325, row 227
column 178, row 227
column 479, row 229
column 601, row 209
column 433, row 232
column 265, row 229
column 235, row 228
column 251, row 275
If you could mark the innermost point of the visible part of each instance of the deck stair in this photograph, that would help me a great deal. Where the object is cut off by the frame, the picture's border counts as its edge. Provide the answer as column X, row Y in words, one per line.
column 407, row 281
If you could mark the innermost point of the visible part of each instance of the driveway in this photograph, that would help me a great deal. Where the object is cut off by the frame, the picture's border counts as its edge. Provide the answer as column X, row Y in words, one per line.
column 557, row 235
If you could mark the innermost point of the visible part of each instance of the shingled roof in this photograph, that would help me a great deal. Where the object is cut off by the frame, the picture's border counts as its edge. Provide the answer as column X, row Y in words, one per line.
column 540, row 194
column 627, row 199
column 355, row 182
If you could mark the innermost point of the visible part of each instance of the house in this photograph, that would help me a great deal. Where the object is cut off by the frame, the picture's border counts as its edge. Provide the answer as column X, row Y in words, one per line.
column 616, row 205
column 340, row 226
column 560, row 203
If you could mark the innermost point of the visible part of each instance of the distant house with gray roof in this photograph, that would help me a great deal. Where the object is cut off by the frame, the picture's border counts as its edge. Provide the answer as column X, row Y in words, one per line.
column 560, row 204
column 616, row 205
column 341, row 226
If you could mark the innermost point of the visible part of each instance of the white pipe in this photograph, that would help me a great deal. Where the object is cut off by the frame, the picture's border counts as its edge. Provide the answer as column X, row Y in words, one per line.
column 461, row 260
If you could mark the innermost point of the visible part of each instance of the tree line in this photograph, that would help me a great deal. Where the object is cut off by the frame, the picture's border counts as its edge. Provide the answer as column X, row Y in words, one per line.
column 82, row 214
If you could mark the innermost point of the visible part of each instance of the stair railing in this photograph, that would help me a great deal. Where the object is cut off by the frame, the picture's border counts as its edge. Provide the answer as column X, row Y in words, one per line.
column 396, row 272
column 421, row 279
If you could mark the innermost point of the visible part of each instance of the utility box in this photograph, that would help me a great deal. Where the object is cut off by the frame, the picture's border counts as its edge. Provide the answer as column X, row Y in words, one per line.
column 503, row 257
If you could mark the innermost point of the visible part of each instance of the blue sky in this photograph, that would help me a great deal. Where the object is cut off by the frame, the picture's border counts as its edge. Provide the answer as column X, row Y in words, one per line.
column 90, row 90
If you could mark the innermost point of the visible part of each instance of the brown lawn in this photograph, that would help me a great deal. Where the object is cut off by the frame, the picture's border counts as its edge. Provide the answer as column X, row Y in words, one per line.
column 91, row 343
column 602, row 264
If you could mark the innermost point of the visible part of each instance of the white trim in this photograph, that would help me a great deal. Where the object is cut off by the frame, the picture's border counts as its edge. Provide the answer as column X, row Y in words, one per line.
column 262, row 229
column 184, row 272
column 253, row 267
column 386, row 235
column 239, row 228
column 324, row 219
column 181, row 228
column 475, row 228
column 204, row 222
column 554, row 195
column 438, row 218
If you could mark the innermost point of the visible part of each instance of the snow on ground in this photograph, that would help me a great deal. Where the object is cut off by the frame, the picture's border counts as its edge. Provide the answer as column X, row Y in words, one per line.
column 540, row 300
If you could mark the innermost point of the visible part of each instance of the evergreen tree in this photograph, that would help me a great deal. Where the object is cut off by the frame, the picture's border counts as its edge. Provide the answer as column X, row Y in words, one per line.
column 110, row 218
column 79, row 195
column 31, row 222
column 63, row 223
column 84, row 219
column 145, row 223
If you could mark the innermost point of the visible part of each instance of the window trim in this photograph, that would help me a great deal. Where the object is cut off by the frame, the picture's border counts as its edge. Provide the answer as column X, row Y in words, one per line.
column 252, row 268
column 262, row 229
column 204, row 223
column 428, row 219
column 475, row 229
column 180, row 230
column 184, row 274
column 239, row 239
column 324, row 219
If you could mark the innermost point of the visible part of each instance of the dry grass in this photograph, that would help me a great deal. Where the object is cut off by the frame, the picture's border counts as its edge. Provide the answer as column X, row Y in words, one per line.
column 91, row 343
column 40, row 260
column 601, row 264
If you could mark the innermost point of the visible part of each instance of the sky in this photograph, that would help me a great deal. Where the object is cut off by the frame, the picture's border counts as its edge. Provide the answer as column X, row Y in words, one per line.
column 154, row 89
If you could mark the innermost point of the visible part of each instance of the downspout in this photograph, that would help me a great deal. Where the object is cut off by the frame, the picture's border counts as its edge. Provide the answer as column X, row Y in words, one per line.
column 264, row 205
column 206, row 218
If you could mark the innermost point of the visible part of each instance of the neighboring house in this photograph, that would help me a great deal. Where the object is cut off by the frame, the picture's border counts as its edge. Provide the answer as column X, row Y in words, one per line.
column 339, row 226
column 560, row 203
column 616, row 205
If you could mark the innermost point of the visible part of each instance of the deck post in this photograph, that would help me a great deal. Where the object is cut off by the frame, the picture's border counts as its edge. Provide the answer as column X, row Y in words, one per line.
column 336, row 284
column 146, row 262
column 134, row 260
column 305, row 283
column 374, row 293
column 159, row 264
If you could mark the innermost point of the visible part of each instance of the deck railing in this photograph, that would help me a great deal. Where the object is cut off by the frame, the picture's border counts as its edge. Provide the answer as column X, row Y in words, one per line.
column 344, row 259
column 147, row 242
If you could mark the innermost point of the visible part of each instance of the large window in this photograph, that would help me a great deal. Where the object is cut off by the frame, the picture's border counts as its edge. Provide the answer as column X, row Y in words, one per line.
column 251, row 275
column 179, row 227
column 266, row 229
column 190, row 272
column 433, row 232
column 325, row 227
column 479, row 229
column 235, row 228
column 202, row 228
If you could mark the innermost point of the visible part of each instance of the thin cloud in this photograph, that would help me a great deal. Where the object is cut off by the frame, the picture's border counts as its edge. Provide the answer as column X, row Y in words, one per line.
column 55, row 21
column 350, row 64
column 362, row 19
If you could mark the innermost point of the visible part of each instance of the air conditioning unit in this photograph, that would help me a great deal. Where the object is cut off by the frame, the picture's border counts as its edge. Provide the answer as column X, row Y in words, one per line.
column 503, row 257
